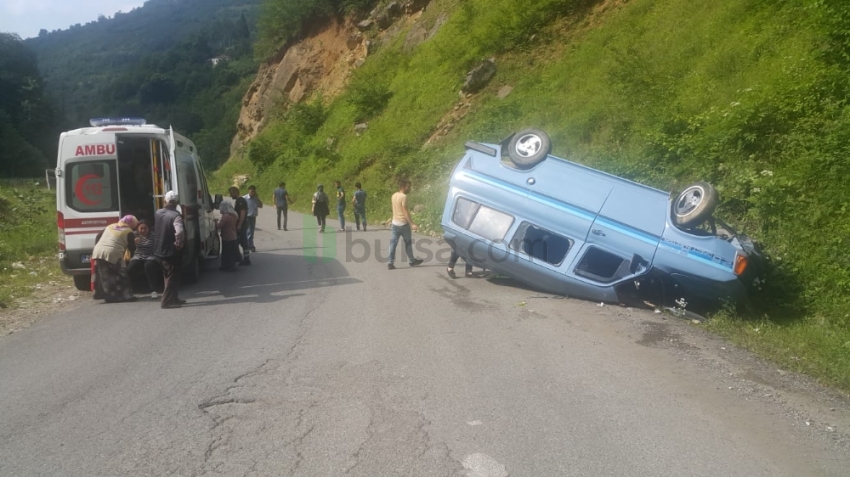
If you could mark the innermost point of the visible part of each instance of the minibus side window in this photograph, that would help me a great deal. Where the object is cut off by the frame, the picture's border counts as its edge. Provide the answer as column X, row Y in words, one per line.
column 491, row 224
column 601, row 266
column 465, row 210
column 482, row 220
column 541, row 244
column 92, row 186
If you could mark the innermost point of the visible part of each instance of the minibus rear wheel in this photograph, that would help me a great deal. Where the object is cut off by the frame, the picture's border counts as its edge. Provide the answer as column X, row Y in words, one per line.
column 528, row 148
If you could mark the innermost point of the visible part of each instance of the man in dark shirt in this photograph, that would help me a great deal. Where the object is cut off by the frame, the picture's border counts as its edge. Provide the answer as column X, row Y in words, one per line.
column 241, row 206
column 358, row 199
column 340, row 205
column 281, row 202
column 168, row 247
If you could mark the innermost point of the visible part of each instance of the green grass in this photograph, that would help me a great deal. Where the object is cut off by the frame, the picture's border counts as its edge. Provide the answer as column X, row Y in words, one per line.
column 28, row 240
column 751, row 95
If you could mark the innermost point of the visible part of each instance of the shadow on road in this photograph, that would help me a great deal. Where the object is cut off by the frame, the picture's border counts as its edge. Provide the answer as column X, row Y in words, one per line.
column 272, row 277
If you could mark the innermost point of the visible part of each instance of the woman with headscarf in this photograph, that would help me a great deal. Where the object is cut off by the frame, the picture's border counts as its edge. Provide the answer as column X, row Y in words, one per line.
column 229, row 239
column 321, row 209
column 108, row 254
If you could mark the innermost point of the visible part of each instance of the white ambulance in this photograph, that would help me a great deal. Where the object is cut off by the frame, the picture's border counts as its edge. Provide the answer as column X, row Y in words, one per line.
column 122, row 166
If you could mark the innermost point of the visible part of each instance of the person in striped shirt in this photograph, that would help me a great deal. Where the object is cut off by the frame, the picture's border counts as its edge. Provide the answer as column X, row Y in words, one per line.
column 143, row 263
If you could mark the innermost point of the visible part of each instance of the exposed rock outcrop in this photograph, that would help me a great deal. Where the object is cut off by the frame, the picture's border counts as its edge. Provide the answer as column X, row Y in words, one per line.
column 479, row 76
column 321, row 62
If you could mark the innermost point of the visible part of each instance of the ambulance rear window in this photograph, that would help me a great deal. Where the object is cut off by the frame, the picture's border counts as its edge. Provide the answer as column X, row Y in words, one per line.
column 92, row 186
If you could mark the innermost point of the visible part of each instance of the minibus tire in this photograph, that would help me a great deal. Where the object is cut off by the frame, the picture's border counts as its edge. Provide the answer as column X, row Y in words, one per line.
column 528, row 148
column 82, row 282
column 694, row 205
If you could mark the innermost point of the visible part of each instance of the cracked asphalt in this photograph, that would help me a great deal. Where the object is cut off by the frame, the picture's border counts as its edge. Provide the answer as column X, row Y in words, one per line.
column 298, row 366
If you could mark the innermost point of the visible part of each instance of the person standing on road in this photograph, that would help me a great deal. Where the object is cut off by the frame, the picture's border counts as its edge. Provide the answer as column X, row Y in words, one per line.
column 229, row 243
column 450, row 269
column 358, row 200
column 241, row 208
column 340, row 205
column 281, row 202
column 168, row 247
column 320, row 207
column 254, row 206
column 402, row 226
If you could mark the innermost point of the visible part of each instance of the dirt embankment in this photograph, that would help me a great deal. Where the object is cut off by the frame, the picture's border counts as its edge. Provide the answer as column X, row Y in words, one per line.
column 322, row 63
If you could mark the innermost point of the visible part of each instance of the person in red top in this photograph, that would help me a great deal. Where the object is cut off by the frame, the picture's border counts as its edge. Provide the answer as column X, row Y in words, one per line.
column 229, row 243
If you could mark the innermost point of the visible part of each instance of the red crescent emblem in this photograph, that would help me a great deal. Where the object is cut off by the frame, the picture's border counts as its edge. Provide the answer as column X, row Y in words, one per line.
column 83, row 189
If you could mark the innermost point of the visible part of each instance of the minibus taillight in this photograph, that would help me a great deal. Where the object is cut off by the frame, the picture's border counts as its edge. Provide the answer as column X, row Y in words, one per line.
column 741, row 263
column 60, row 222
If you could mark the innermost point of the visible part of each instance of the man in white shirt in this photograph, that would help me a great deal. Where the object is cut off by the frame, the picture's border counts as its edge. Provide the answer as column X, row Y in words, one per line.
column 254, row 206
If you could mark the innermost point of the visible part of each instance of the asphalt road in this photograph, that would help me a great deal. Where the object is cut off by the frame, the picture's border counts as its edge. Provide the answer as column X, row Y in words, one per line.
column 298, row 366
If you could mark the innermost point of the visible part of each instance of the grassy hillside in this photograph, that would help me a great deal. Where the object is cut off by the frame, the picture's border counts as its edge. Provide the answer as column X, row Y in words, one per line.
column 27, row 240
column 750, row 95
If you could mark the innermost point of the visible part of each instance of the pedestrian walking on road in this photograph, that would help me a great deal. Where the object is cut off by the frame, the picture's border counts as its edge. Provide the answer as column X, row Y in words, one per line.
column 320, row 207
column 254, row 206
column 358, row 200
column 241, row 208
column 114, row 244
column 281, row 202
column 229, row 237
column 402, row 226
column 340, row 205
column 169, row 238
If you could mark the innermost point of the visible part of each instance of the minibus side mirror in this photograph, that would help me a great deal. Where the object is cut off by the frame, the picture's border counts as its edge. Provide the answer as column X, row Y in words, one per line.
column 218, row 200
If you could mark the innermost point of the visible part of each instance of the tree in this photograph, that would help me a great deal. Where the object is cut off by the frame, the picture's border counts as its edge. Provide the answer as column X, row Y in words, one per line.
column 243, row 30
column 26, row 118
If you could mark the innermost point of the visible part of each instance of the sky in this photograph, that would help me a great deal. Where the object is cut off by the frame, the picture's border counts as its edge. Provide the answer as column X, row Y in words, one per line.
column 27, row 17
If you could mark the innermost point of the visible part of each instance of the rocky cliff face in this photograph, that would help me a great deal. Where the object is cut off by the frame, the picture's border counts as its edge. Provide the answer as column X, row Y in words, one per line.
column 322, row 62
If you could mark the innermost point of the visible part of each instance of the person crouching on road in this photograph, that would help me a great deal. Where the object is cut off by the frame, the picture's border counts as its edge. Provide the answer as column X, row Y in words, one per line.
column 241, row 207
column 108, row 254
column 168, row 247
column 229, row 244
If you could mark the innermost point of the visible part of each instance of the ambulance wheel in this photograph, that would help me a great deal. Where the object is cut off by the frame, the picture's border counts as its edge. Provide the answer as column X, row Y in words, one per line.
column 193, row 270
column 82, row 282
column 694, row 205
column 215, row 250
column 528, row 148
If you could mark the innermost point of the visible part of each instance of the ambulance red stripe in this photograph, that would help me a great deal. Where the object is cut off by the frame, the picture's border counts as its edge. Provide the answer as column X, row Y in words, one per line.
column 89, row 222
